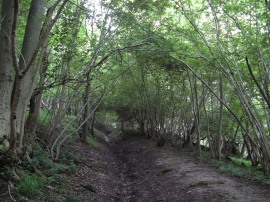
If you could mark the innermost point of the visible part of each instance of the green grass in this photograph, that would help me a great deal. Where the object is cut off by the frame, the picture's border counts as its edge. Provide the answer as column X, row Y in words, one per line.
column 57, row 179
column 70, row 157
column 30, row 184
column 45, row 171
column 92, row 142
column 164, row 171
column 39, row 170
column 241, row 161
column 237, row 167
column 63, row 168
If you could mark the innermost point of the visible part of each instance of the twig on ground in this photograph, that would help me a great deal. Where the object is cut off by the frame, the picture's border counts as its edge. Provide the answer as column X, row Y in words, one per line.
column 4, row 194
column 9, row 192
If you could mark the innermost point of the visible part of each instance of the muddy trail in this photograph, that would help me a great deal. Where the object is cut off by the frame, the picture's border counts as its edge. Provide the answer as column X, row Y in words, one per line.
column 132, row 169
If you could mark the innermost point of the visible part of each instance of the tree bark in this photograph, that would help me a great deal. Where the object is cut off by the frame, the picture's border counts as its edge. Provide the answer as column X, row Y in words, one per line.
column 34, row 39
column 198, row 117
column 219, row 142
column 208, row 127
column 85, row 128
column 23, row 80
column 30, row 42
column 35, row 100
column 6, row 67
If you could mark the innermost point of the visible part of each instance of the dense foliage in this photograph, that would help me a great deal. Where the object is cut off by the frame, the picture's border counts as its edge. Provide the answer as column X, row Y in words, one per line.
column 187, row 72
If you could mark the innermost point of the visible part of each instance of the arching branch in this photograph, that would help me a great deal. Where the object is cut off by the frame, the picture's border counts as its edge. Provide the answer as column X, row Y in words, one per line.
column 265, row 97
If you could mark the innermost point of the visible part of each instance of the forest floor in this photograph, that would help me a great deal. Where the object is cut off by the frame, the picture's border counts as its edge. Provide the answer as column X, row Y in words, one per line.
column 132, row 169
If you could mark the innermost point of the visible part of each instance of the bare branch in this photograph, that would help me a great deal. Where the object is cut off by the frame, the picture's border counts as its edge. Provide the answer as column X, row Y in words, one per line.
column 257, row 84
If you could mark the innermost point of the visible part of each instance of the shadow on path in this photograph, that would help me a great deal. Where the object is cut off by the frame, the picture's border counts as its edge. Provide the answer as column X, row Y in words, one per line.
column 131, row 168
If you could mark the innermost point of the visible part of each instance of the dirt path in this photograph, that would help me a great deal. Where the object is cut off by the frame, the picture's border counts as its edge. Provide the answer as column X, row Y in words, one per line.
column 133, row 169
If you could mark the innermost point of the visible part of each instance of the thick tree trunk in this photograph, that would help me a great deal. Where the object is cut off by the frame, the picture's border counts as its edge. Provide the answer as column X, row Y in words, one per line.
column 30, row 42
column 23, row 81
column 6, row 67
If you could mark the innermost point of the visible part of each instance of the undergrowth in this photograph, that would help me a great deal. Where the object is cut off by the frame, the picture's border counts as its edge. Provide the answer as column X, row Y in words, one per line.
column 30, row 184
column 164, row 171
column 36, row 173
column 44, row 117
column 237, row 167
column 241, row 161
column 92, row 142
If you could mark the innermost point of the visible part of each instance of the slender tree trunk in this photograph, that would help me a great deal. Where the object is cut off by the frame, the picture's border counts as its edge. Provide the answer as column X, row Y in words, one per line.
column 93, row 121
column 35, row 101
column 208, row 129
column 85, row 128
column 198, row 117
column 219, row 142
column 194, row 121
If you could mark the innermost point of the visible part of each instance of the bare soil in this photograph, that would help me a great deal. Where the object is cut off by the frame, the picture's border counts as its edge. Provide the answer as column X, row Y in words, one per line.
column 132, row 169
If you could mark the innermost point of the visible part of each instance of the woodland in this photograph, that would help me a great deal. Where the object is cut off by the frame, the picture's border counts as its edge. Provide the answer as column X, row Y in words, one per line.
column 189, row 73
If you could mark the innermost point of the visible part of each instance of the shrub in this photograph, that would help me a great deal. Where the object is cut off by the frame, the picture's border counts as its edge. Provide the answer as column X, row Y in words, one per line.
column 238, row 167
column 241, row 161
column 30, row 184
column 6, row 171
column 40, row 159
column 164, row 171
column 58, row 179
column 62, row 168
column 92, row 142
column 70, row 157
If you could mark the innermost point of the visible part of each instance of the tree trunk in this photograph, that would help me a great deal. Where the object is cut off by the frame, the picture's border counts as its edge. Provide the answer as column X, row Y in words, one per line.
column 34, row 39
column 6, row 67
column 93, row 121
column 219, row 143
column 85, row 128
column 198, row 117
column 208, row 128
column 35, row 101
column 23, row 80
column 30, row 42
